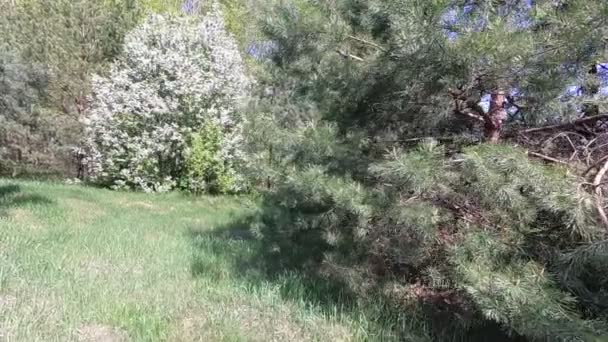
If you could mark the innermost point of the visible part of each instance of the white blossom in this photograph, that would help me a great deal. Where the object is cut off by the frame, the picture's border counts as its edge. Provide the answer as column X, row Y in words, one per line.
column 175, row 74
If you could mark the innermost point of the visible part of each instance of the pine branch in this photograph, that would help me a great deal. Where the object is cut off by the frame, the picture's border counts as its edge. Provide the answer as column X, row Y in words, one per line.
column 471, row 114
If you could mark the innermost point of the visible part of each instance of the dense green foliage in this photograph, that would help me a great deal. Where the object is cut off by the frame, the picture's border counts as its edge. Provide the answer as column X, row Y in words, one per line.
column 207, row 170
column 57, row 46
column 407, row 68
column 23, row 87
column 480, row 235
column 386, row 140
column 472, row 239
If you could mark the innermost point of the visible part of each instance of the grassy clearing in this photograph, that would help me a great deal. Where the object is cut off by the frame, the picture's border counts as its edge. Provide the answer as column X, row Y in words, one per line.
column 85, row 264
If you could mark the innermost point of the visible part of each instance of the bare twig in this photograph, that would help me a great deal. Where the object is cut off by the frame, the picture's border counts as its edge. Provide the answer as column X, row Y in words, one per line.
column 586, row 149
column 598, row 193
column 468, row 113
column 574, row 150
column 565, row 125
column 414, row 140
column 594, row 186
column 406, row 201
column 461, row 107
column 348, row 55
column 591, row 142
column 367, row 43
column 567, row 137
column 600, row 147
column 547, row 158
column 596, row 165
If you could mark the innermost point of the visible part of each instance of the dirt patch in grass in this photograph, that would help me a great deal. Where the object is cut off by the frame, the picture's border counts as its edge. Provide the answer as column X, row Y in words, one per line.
column 101, row 333
column 83, row 212
column 140, row 205
column 25, row 217
column 232, row 321
column 154, row 237
column 96, row 267
column 33, row 314
column 7, row 302
column 188, row 329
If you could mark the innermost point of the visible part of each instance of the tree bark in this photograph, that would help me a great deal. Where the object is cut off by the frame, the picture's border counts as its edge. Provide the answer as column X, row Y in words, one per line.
column 492, row 120
column 495, row 117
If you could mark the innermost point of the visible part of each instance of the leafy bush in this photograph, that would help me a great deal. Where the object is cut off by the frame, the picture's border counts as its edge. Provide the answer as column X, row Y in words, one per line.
column 206, row 168
column 175, row 75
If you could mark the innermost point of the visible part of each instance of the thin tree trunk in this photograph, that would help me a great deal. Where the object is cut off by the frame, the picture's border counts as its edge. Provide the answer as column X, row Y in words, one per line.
column 496, row 117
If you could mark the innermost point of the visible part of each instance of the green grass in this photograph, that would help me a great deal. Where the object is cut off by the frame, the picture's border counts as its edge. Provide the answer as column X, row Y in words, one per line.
column 87, row 264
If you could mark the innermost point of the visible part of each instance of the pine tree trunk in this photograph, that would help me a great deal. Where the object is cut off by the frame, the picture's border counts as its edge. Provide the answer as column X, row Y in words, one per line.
column 496, row 117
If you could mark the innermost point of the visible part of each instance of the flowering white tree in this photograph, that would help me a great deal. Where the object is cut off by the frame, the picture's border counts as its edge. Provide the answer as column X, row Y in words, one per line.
column 175, row 75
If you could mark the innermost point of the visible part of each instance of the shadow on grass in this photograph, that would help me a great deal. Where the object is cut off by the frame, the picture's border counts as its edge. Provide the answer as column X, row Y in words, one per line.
column 232, row 250
column 235, row 250
column 12, row 196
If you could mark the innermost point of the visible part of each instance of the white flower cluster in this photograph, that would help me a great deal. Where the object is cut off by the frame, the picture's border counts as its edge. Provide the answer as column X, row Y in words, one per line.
column 175, row 74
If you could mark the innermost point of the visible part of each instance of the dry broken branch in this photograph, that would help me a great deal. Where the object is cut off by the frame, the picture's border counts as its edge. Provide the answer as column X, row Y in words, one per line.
column 547, row 158
column 348, row 55
column 565, row 125
column 598, row 193
column 461, row 107
column 363, row 41
column 469, row 113
column 596, row 165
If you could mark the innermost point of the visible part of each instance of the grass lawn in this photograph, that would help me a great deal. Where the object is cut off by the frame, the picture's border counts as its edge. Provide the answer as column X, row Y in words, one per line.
column 87, row 264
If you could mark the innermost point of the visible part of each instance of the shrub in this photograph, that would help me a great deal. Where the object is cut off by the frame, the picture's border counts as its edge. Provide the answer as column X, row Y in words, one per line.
column 175, row 75
column 206, row 169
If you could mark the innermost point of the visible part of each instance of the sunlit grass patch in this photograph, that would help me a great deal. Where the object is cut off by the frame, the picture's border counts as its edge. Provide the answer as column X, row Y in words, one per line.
column 87, row 264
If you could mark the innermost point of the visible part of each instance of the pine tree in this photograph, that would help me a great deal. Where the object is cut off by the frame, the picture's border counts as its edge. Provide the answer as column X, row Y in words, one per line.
column 480, row 234
column 66, row 41
column 410, row 67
